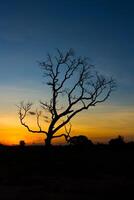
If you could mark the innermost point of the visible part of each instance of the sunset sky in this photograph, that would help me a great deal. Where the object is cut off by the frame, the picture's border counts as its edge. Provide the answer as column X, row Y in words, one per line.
column 102, row 30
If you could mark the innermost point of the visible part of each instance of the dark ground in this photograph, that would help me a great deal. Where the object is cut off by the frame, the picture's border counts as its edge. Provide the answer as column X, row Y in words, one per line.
column 98, row 172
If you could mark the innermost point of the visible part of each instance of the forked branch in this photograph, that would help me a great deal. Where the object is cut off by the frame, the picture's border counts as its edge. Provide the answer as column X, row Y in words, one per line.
column 24, row 109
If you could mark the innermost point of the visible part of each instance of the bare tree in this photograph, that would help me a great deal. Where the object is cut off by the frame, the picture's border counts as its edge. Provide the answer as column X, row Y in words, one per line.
column 72, row 80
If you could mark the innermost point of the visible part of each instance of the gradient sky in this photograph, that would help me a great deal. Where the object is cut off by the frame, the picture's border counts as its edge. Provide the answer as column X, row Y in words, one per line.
column 103, row 30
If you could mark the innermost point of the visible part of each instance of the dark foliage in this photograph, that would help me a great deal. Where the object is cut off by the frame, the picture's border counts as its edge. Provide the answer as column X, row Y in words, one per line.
column 80, row 140
column 117, row 141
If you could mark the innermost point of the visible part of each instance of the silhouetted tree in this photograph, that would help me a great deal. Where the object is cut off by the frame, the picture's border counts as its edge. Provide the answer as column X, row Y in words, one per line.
column 74, row 83
column 117, row 141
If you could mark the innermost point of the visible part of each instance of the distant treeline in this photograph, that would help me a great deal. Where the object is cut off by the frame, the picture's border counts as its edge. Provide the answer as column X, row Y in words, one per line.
column 82, row 141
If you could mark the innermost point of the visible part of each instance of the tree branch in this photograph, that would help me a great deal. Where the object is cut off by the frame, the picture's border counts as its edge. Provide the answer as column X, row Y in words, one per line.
column 23, row 110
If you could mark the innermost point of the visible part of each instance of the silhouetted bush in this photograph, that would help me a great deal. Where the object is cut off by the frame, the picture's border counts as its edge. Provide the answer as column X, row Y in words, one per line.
column 22, row 143
column 117, row 141
column 80, row 140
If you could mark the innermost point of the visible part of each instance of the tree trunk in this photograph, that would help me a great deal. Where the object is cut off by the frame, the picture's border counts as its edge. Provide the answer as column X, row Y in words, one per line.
column 48, row 141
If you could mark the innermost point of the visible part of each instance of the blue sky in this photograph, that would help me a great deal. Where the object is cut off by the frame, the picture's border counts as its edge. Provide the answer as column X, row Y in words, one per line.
column 102, row 30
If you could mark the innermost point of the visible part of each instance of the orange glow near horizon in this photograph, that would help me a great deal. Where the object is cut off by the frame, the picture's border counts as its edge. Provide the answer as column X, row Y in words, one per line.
column 97, row 124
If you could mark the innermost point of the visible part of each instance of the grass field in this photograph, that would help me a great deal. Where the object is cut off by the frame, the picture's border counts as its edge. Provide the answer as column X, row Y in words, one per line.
column 67, row 172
